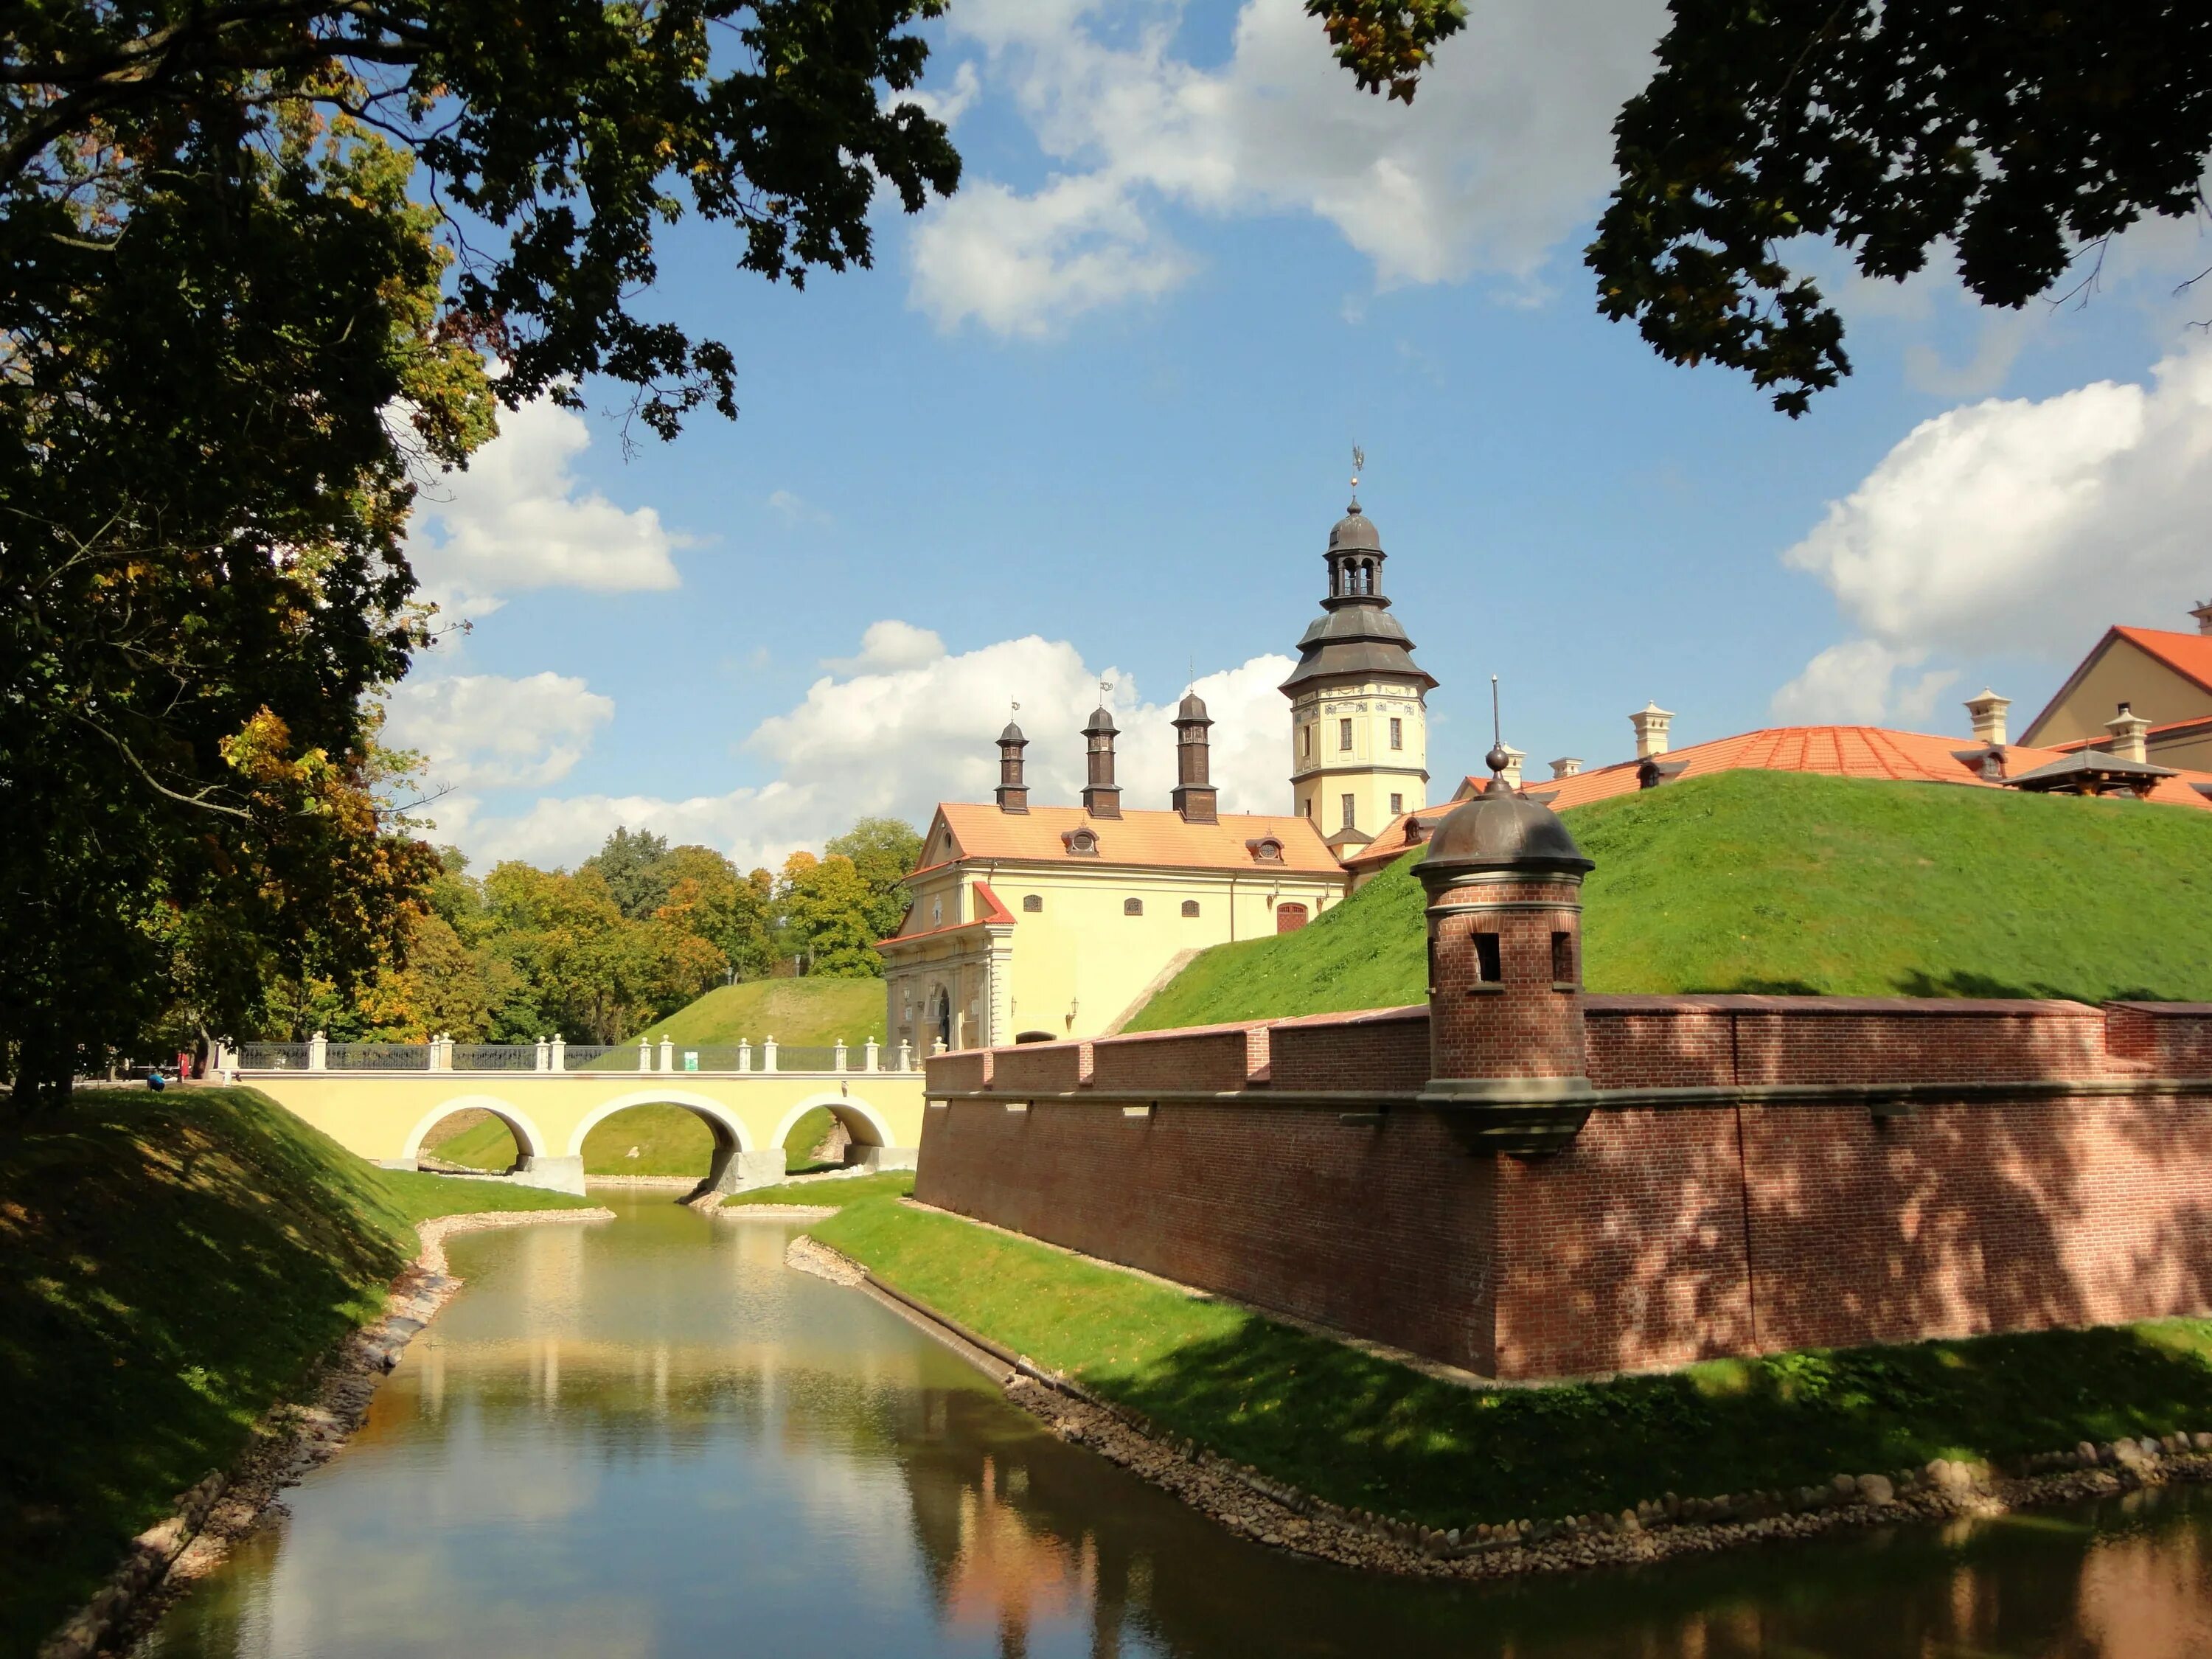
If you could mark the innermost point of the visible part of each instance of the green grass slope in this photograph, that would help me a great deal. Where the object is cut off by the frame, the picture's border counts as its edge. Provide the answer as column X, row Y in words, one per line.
column 797, row 1013
column 1787, row 882
column 174, row 1264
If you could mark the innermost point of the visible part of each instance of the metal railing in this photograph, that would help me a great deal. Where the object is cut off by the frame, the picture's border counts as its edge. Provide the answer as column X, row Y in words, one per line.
column 721, row 1057
column 273, row 1056
column 374, row 1056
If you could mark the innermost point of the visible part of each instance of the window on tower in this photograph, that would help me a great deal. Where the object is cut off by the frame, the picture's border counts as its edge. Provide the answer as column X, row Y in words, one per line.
column 1397, row 803
column 1347, row 801
column 1309, row 738
column 1344, row 734
column 1397, row 732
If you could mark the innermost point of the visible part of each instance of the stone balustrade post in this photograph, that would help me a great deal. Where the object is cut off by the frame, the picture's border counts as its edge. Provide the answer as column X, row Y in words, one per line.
column 644, row 1056
column 541, row 1055
column 768, row 1055
column 318, row 1053
column 441, row 1057
column 745, row 1055
column 906, row 1055
column 667, row 1054
column 937, row 1046
column 871, row 1059
column 837, row 1064
column 560, row 1054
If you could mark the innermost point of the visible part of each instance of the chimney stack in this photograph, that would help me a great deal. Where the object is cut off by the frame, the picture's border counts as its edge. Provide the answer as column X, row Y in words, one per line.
column 1512, row 770
column 1194, row 796
column 1651, row 723
column 2127, row 728
column 1565, row 766
column 1102, row 796
column 2204, row 615
column 1013, row 794
column 1987, row 713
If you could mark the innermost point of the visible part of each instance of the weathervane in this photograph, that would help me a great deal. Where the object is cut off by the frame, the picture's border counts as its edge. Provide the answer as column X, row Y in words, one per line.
column 1358, row 467
column 1105, row 691
column 1497, row 757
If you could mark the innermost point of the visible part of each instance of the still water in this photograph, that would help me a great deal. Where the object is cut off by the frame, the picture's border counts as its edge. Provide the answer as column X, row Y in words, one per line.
column 649, row 1438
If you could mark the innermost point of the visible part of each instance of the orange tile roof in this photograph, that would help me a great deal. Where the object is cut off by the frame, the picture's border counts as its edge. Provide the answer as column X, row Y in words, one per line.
column 1840, row 751
column 2189, row 655
column 1161, row 840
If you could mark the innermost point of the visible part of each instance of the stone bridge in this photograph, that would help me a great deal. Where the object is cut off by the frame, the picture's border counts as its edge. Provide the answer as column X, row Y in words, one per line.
column 384, row 1104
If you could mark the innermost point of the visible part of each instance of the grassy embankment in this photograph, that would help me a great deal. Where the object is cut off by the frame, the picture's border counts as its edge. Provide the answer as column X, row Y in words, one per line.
column 1782, row 882
column 1365, row 1431
column 174, row 1263
column 670, row 1141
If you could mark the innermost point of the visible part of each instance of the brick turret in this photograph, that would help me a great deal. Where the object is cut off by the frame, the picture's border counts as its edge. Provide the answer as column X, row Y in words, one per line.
column 1503, row 879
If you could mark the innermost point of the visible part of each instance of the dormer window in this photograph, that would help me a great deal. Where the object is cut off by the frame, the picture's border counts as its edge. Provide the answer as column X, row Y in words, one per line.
column 1266, row 850
column 1084, row 843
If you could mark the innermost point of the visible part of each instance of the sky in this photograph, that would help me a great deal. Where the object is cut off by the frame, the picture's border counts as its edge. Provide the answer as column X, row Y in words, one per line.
column 1090, row 420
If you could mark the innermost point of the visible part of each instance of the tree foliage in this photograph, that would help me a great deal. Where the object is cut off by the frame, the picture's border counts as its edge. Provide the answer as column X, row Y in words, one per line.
column 2021, row 134
column 255, row 256
column 882, row 850
column 1386, row 44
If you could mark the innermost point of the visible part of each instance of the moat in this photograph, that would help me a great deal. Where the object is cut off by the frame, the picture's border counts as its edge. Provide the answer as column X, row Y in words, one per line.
column 650, row 1438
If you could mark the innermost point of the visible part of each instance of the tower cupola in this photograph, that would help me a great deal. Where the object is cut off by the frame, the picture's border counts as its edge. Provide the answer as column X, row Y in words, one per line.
column 1013, row 794
column 1359, row 748
column 1194, row 797
column 1102, row 796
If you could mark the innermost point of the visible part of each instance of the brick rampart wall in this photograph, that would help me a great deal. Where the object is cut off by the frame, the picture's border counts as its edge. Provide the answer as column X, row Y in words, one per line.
column 1667, row 1232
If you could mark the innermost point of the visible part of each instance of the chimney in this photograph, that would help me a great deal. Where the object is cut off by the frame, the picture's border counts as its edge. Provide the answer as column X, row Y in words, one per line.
column 1194, row 796
column 2204, row 615
column 1013, row 794
column 1987, row 713
column 1512, row 770
column 2127, row 728
column 1565, row 766
column 1102, row 796
column 1651, row 722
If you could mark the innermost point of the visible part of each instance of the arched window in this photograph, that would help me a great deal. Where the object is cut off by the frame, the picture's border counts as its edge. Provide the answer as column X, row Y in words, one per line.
column 1190, row 906
column 1033, row 902
column 1082, row 842
column 941, row 1016
column 1133, row 907
column 1289, row 918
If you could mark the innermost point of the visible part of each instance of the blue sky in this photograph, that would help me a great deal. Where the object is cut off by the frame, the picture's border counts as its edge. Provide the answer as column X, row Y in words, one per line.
column 1093, row 417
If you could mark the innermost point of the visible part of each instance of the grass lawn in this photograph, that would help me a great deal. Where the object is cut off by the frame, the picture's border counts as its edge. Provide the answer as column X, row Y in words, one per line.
column 174, row 1263
column 830, row 1194
column 798, row 1014
column 1791, row 883
column 1364, row 1431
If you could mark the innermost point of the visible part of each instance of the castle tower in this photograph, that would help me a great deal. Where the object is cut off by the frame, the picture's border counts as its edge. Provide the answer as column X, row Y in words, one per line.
column 1503, row 878
column 1013, row 792
column 1102, row 796
column 1359, row 726
column 1193, row 795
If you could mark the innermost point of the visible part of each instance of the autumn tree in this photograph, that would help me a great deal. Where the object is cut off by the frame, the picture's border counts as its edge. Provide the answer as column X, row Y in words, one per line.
column 823, row 905
column 255, row 257
column 882, row 851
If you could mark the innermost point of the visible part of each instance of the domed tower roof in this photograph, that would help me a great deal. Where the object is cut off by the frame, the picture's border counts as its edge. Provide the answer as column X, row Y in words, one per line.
column 1356, row 636
column 1191, row 710
column 1012, row 734
column 1500, row 829
column 1101, row 723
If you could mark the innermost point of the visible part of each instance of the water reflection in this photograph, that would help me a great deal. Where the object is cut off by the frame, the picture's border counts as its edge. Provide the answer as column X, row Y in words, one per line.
column 648, row 1438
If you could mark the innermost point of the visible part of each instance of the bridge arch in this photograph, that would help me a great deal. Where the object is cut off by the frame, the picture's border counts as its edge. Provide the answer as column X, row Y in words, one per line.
column 729, row 1128
column 862, row 1121
column 528, row 1141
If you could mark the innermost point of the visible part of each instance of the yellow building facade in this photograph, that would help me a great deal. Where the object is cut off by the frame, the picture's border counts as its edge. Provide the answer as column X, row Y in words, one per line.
column 2149, row 678
column 1030, row 923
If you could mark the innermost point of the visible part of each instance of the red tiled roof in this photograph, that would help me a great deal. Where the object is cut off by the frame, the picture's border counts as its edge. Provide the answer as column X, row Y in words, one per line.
column 1841, row 751
column 989, row 909
column 2189, row 655
column 1161, row 840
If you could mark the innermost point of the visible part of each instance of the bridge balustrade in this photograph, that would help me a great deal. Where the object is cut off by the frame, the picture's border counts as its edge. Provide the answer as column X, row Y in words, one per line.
column 626, row 1058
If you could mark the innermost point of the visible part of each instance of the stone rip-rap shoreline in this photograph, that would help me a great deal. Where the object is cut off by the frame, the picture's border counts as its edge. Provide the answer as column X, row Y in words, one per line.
column 1282, row 1517
column 291, row 1438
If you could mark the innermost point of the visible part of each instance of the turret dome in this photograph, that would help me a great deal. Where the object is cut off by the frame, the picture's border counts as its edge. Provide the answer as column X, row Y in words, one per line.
column 1501, row 829
column 1354, row 532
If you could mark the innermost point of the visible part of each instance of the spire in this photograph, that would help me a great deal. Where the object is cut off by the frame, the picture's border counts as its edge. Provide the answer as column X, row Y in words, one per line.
column 1012, row 792
column 1102, row 796
column 1193, row 795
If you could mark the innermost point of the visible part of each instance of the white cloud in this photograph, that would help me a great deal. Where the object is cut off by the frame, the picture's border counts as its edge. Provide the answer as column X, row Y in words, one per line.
column 896, row 737
column 517, row 518
column 2017, row 525
column 1858, row 683
column 891, row 644
column 1507, row 148
column 485, row 731
column 952, row 102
